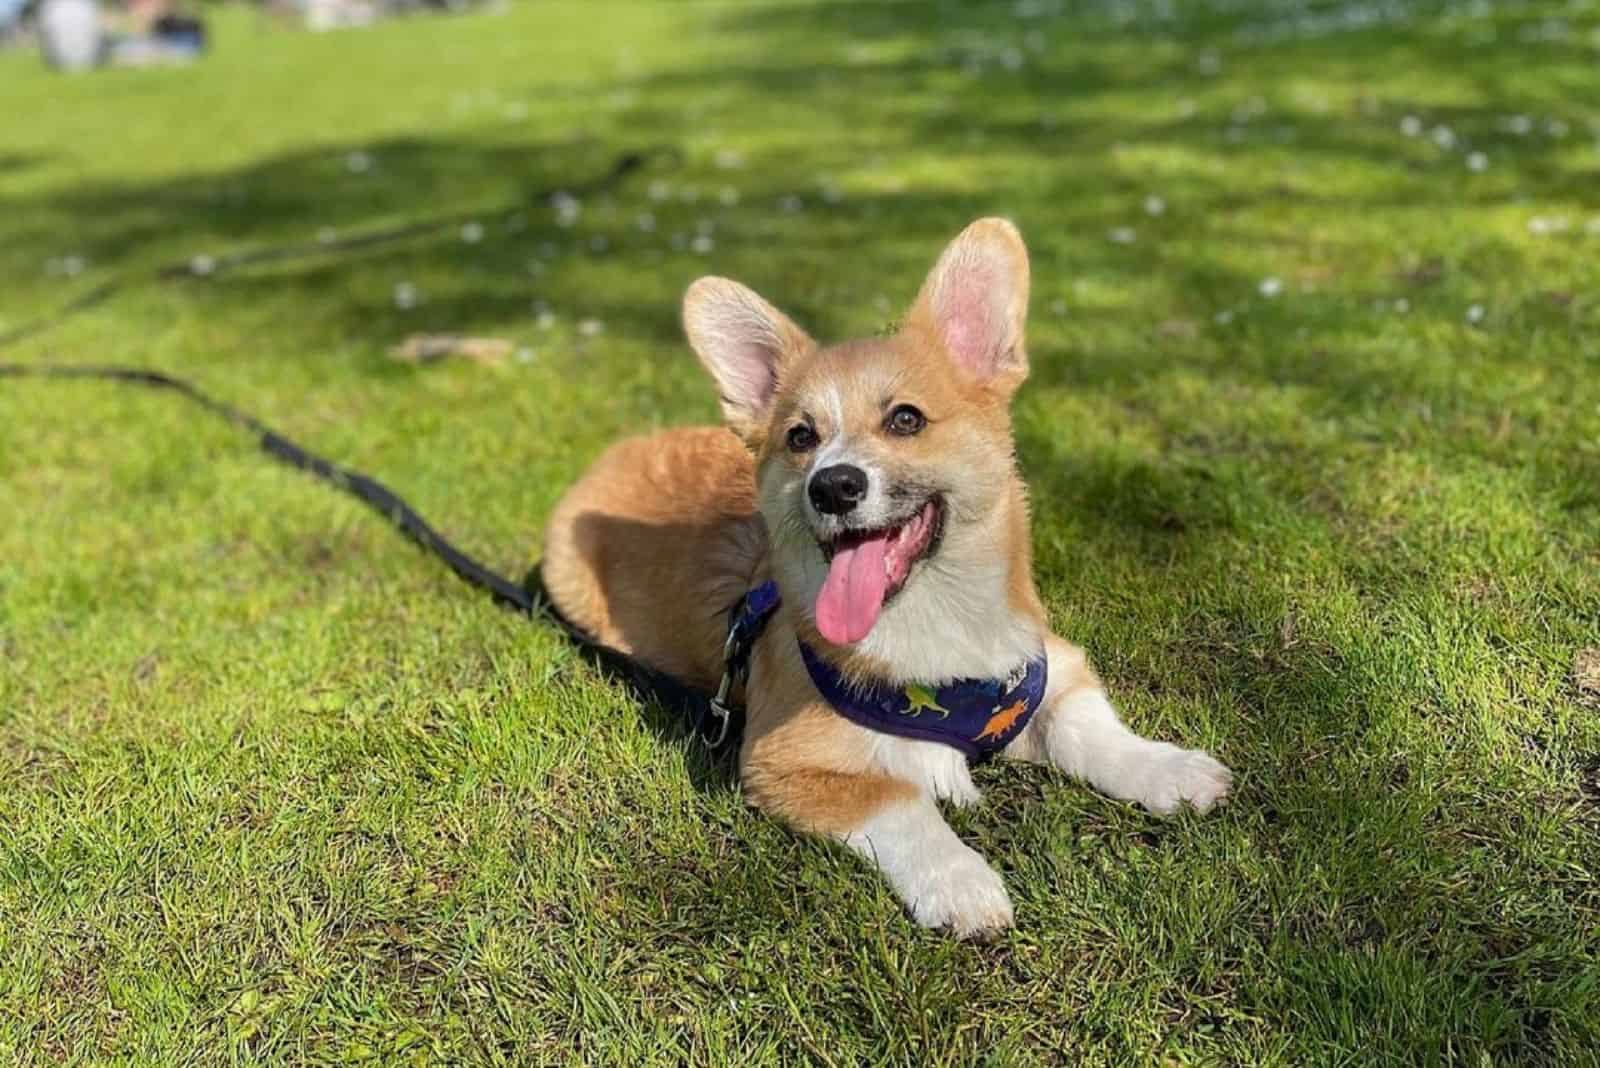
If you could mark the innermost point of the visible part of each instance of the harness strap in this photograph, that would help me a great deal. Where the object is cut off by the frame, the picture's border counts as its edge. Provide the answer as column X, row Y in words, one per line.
column 980, row 717
column 747, row 619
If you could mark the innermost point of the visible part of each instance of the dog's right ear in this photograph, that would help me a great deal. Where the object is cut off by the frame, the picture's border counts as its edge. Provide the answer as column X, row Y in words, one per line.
column 744, row 342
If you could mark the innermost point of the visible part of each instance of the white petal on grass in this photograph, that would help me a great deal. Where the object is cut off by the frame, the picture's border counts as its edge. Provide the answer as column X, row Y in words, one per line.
column 358, row 162
column 729, row 159
column 1270, row 286
column 1475, row 313
column 567, row 208
column 1444, row 137
column 646, row 222
column 1411, row 126
column 591, row 327
column 702, row 244
column 202, row 264
column 1401, row 305
column 1477, row 162
column 1154, row 205
column 659, row 191
column 1122, row 235
column 406, row 296
column 472, row 232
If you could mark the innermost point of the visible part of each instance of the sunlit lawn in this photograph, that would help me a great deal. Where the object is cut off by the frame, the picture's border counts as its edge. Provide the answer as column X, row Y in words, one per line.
column 1313, row 433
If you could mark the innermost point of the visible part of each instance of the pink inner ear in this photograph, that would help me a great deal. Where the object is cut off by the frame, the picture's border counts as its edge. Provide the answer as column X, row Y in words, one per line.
column 968, row 323
column 750, row 377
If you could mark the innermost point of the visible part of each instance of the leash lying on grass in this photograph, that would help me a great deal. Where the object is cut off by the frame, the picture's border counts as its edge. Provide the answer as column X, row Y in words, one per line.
column 208, row 266
column 710, row 718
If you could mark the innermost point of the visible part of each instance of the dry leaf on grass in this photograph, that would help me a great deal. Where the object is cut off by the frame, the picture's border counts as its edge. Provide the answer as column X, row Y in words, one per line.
column 431, row 348
column 1586, row 670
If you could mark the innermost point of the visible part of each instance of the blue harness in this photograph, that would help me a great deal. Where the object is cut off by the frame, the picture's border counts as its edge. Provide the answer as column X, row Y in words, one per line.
column 980, row 717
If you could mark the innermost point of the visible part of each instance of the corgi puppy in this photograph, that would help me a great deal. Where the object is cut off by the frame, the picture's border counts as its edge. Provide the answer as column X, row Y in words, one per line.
column 874, row 483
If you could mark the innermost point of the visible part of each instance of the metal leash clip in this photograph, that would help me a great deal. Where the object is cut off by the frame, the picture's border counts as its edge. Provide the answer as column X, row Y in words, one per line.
column 745, row 624
column 719, row 703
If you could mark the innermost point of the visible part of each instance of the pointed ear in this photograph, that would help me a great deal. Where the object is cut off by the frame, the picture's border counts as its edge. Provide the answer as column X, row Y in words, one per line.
column 744, row 342
column 975, row 302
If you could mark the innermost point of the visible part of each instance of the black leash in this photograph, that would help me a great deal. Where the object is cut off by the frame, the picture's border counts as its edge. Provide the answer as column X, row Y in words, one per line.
column 710, row 718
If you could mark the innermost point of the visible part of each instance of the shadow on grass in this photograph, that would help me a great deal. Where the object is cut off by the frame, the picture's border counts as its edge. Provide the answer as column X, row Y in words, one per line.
column 962, row 82
column 15, row 162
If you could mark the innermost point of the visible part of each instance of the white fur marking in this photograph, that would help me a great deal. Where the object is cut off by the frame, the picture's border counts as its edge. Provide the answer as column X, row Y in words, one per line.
column 953, row 618
column 943, row 881
column 1085, row 738
column 842, row 448
column 939, row 769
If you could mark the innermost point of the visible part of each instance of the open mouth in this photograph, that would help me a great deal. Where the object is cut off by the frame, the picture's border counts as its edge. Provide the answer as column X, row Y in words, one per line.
column 868, row 567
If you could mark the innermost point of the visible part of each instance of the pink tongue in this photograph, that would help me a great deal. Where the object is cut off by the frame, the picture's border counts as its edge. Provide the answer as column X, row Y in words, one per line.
column 852, row 595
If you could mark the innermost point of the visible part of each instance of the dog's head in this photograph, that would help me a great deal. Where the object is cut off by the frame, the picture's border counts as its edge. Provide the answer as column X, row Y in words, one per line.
column 879, row 462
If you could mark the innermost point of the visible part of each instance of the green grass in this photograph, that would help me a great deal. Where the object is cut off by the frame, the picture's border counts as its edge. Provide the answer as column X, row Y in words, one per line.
column 276, row 788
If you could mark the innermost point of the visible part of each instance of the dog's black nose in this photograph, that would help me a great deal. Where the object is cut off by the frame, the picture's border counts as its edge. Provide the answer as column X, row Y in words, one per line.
column 836, row 490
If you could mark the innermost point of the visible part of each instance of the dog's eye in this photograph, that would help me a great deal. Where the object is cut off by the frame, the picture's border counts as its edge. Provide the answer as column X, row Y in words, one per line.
column 801, row 438
column 905, row 420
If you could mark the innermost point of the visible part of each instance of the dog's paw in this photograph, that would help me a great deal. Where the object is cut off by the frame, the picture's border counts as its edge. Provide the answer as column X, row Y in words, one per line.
column 961, row 893
column 1184, row 776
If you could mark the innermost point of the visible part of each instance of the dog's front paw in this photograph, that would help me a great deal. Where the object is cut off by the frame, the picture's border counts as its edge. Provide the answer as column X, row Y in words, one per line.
column 1180, row 776
column 962, row 893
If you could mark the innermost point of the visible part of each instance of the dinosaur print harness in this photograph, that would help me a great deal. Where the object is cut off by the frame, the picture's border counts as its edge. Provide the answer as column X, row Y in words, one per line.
column 980, row 717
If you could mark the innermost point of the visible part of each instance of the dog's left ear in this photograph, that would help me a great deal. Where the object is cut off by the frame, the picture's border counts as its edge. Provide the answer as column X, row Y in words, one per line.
column 745, row 343
column 975, row 303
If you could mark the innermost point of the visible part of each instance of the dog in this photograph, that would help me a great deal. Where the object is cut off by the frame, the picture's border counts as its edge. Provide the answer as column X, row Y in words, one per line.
column 873, row 485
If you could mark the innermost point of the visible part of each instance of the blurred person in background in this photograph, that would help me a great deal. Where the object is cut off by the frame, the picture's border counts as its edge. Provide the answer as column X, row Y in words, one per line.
column 79, row 34
column 10, row 16
column 71, row 33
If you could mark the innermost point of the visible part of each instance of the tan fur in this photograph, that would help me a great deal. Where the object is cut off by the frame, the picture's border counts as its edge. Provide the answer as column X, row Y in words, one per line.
column 648, row 551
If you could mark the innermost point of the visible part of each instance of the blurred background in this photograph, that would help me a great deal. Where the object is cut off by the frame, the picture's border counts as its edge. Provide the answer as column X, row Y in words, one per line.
column 80, row 34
